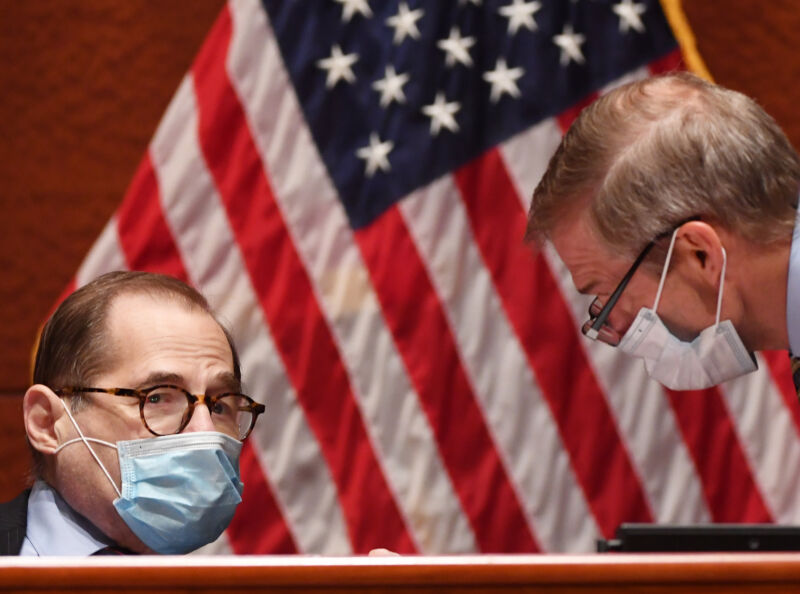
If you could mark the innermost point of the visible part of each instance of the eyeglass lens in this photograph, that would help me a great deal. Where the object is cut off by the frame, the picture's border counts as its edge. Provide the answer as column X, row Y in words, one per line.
column 165, row 409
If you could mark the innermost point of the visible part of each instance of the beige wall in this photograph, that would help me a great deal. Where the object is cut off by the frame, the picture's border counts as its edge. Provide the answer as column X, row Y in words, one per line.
column 84, row 84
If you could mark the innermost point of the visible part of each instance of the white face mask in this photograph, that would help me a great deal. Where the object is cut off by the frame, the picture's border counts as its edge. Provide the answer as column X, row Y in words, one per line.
column 715, row 356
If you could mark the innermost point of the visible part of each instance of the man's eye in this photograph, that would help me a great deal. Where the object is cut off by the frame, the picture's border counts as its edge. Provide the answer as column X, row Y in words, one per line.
column 164, row 397
column 220, row 408
column 224, row 407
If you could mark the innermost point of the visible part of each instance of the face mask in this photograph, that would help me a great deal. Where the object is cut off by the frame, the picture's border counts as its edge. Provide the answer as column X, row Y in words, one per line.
column 715, row 356
column 179, row 492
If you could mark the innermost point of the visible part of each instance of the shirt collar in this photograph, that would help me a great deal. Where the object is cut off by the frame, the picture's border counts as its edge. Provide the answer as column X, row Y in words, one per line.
column 54, row 528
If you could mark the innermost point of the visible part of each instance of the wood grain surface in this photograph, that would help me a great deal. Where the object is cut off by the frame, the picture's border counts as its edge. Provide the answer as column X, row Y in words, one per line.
column 484, row 574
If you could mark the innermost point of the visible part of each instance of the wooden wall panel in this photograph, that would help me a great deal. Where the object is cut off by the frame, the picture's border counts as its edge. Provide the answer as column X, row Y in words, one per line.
column 751, row 46
column 85, row 83
column 14, row 455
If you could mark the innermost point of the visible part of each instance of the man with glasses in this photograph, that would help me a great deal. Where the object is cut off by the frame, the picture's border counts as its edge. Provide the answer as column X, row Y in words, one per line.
column 135, row 422
column 673, row 201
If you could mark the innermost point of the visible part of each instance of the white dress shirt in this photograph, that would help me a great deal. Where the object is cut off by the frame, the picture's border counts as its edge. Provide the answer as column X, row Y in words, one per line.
column 54, row 528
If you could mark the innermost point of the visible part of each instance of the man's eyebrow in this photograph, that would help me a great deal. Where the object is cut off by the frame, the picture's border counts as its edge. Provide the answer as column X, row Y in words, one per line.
column 228, row 381
column 224, row 381
column 161, row 377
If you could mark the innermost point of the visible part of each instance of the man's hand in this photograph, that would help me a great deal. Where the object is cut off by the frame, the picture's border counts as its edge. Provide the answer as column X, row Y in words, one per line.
column 383, row 553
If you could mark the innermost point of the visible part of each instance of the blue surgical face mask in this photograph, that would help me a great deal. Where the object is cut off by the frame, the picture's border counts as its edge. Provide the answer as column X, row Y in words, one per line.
column 179, row 492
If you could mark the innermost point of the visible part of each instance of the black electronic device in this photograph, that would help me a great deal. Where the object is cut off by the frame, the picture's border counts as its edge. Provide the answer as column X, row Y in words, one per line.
column 653, row 538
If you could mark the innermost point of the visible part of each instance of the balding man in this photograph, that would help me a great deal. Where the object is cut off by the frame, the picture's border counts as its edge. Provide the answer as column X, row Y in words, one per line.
column 674, row 201
column 135, row 420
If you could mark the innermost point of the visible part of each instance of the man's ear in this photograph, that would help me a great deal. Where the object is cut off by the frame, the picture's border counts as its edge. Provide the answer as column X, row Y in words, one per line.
column 41, row 409
column 701, row 251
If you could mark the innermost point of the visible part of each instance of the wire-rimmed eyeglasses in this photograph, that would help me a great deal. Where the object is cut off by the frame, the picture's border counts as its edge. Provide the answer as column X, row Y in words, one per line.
column 166, row 409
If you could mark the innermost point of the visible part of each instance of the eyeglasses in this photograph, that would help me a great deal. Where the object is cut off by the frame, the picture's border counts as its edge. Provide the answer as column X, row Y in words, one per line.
column 595, row 327
column 166, row 409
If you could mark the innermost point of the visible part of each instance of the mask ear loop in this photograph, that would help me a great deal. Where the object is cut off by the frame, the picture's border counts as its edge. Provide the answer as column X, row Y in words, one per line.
column 666, row 267
column 78, row 439
column 721, row 284
column 91, row 451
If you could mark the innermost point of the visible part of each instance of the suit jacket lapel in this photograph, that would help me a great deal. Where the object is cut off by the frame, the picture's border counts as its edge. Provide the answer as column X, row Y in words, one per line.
column 13, row 523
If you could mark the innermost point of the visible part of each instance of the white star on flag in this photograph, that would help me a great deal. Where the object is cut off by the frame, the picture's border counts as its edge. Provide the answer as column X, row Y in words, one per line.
column 503, row 80
column 375, row 154
column 570, row 44
column 629, row 14
column 391, row 86
column 404, row 23
column 457, row 48
column 350, row 7
column 441, row 114
column 520, row 14
column 338, row 66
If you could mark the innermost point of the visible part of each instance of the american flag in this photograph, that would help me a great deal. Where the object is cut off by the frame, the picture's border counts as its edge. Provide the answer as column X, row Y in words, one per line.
column 347, row 181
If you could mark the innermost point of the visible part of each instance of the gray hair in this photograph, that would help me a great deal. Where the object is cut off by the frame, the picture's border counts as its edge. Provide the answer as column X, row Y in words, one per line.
column 653, row 153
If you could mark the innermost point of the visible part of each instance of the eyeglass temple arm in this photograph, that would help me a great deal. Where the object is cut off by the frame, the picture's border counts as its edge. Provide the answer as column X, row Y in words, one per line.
column 600, row 320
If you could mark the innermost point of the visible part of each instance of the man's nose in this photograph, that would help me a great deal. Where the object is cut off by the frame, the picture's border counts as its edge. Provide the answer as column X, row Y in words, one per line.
column 201, row 419
column 620, row 319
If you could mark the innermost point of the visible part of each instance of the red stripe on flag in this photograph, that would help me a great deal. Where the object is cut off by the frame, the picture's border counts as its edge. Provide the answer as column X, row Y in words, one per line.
column 298, row 326
column 780, row 367
column 422, row 334
column 668, row 63
column 541, row 319
column 257, row 527
column 144, row 236
column 728, row 483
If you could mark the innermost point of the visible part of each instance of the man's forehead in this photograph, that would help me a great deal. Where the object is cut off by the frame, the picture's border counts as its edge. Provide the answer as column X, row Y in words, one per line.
column 144, row 296
column 147, row 308
column 573, row 237
column 586, row 257
column 160, row 321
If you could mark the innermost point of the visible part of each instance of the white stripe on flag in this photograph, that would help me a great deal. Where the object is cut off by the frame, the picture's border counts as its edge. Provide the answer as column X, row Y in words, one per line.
column 105, row 256
column 398, row 428
column 769, row 439
column 516, row 413
column 527, row 154
column 286, row 446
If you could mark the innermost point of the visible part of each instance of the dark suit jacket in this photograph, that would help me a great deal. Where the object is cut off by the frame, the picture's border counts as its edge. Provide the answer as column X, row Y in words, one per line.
column 13, row 522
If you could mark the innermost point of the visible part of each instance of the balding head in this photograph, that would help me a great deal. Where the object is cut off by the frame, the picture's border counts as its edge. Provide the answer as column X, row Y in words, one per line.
column 74, row 346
